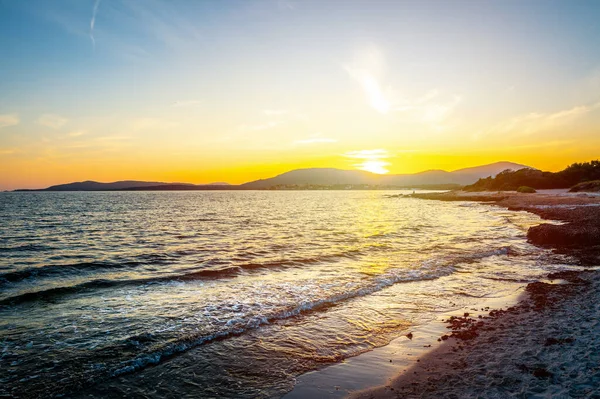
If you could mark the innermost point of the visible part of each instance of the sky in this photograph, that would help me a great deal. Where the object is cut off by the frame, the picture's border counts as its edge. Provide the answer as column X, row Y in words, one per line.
column 205, row 91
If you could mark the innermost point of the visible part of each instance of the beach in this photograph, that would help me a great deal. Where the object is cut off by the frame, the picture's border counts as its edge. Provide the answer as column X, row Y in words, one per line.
column 546, row 344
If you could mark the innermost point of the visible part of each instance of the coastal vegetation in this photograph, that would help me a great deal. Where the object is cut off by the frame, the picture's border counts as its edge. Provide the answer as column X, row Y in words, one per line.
column 526, row 189
column 590, row 186
column 571, row 176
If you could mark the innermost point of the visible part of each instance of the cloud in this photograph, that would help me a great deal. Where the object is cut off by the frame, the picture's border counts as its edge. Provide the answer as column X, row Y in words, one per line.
column 375, row 95
column 52, row 121
column 315, row 139
column 368, row 154
column 367, row 69
column 431, row 109
column 93, row 22
column 430, row 95
column 8, row 151
column 535, row 122
column 9, row 120
column 436, row 114
column 76, row 133
column 286, row 5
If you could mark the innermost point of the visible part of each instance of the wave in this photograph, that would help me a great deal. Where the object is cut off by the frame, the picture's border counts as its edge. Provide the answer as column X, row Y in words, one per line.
column 59, row 270
column 426, row 271
column 224, row 272
column 90, row 267
column 241, row 326
column 27, row 248
column 103, row 283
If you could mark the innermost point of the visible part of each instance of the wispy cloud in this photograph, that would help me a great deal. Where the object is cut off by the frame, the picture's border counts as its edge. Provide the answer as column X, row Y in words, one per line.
column 77, row 133
column 93, row 22
column 9, row 120
column 367, row 69
column 166, row 22
column 535, row 122
column 368, row 154
column 52, row 121
column 8, row 151
column 431, row 108
column 436, row 114
column 286, row 4
column 315, row 139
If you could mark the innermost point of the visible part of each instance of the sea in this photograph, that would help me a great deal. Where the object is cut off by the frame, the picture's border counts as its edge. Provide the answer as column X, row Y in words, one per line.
column 234, row 294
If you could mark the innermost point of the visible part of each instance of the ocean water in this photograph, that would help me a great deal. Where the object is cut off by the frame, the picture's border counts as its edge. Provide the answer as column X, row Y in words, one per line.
column 233, row 293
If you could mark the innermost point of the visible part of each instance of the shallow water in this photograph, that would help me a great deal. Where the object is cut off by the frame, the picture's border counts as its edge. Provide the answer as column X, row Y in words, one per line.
column 233, row 294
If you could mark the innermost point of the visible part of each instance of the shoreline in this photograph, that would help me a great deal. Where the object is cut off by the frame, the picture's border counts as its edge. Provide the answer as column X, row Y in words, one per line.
column 427, row 366
column 382, row 364
column 543, row 346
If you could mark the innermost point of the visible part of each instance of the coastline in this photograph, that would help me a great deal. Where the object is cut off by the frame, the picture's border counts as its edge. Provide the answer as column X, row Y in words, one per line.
column 383, row 364
column 542, row 346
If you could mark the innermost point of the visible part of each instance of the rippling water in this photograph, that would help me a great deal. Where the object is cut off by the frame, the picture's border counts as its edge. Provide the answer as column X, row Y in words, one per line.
column 232, row 294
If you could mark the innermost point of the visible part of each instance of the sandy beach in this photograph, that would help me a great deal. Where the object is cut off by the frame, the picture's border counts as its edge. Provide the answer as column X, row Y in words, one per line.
column 546, row 345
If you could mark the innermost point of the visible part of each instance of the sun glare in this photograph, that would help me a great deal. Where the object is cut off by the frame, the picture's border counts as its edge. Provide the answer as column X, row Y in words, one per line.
column 374, row 166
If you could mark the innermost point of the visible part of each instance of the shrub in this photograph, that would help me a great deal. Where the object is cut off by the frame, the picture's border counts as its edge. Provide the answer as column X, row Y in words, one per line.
column 526, row 189
column 590, row 186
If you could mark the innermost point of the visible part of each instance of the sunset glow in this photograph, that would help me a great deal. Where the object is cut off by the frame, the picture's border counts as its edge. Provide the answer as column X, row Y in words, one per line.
column 236, row 91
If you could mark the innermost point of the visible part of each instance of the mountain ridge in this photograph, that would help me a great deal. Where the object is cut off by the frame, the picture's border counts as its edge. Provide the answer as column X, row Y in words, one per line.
column 332, row 176
column 309, row 177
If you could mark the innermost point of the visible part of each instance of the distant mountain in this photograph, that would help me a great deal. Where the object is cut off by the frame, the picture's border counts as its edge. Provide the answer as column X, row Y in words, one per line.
column 310, row 177
column 581, row 175
column 492, row 169
column 330, row 176
column 96, row 186
column 126, row 185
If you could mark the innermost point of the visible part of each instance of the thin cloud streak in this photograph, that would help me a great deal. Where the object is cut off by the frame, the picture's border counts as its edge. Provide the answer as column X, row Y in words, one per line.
column 367, row 70
column 315, row 140
column 52, row 121
column 367, row 154
column 93, row 22
column 535, row 122
column 9, row 120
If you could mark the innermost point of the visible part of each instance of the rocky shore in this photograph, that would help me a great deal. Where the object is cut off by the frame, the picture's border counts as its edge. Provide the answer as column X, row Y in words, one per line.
column 546, row 346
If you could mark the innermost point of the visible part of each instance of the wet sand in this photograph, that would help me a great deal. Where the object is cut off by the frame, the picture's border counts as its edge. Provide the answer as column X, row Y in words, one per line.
column 544, row 346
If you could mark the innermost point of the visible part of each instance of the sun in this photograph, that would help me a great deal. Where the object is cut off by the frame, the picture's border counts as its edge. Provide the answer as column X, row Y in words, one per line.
column 374, row 166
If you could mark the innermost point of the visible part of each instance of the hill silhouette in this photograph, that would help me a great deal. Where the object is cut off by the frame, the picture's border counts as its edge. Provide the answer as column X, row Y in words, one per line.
column 574, row 174
column 306, row 178
column 331, row 176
